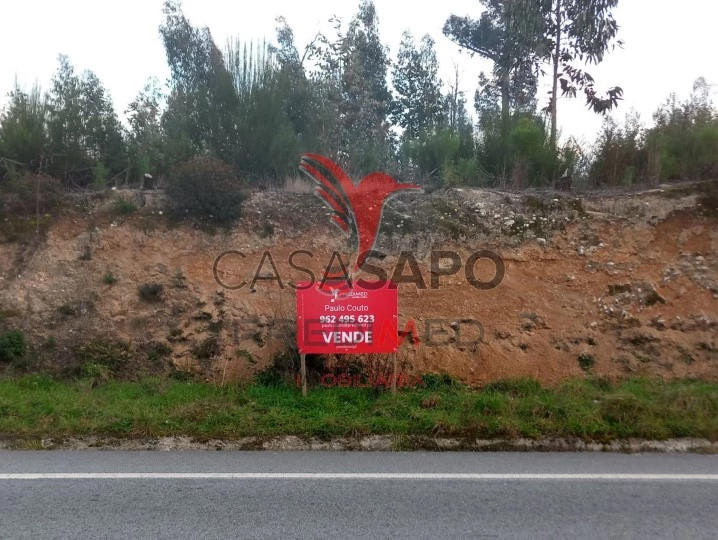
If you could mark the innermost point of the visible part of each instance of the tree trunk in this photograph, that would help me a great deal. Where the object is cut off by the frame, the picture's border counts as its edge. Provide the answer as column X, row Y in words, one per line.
column 554, row 95
column 505, row 115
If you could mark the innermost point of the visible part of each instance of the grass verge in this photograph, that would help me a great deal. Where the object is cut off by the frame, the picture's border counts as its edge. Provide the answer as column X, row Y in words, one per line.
column 38, row 406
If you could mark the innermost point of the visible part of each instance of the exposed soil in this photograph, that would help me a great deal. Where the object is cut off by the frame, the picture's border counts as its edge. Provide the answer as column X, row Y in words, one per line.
column 610, row 284
column 372, row 443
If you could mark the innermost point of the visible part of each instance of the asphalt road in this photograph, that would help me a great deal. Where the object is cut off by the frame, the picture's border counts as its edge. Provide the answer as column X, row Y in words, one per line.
column 109, row 494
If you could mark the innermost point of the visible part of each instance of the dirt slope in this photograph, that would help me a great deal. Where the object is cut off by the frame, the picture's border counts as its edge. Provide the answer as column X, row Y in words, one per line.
column 613, row 284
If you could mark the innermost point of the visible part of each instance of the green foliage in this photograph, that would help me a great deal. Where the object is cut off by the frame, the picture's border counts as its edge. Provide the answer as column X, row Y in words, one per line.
column 686, row 136
column 122, row 206
column 145, row 144
column 508, row 34
column 99, row 174
column 271, row 377
column 433, row 381
column 23, row 135
column 13, row 346
column 418, row 106
column 530, row 162
column 442, row 155
column 590, row 410
column 109, row 278
column 102, row 359
column 621, row 156
column 683, row 144
column 83, row 128
column 205, row 187
column 577, row 31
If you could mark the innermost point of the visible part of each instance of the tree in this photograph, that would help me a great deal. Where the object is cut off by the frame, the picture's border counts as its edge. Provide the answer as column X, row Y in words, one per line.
column 418, row 105
column 83, row 128
column 458, row 119
column 366, row 99
column 583, row 31
column 102, row 133
column 203, row 94
column 145, row 140
column 522, row 93
column 23, row 136
column 509, row 34
column 65, row 120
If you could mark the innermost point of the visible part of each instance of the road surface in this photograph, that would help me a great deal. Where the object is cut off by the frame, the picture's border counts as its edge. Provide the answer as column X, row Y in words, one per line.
column 113, row 494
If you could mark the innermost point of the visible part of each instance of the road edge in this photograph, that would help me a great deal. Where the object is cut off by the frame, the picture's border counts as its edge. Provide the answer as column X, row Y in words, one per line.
column 372, row 443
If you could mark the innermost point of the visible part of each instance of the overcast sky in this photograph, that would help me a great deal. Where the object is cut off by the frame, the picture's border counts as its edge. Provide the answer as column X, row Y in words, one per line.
column 668, row 44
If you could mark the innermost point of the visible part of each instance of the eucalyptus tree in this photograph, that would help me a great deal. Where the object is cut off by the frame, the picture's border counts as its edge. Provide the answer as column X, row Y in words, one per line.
column 578, row 32
column 365, row 102
column 419, row 104
column 509, row 33
column 203, row 99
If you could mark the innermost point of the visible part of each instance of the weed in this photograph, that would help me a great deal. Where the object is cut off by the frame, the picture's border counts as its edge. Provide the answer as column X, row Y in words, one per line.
column 270, row 377
column 206, row 349
column 586, row 362
column 242, row 353
column 156, row 351
column 215, row 327
column 13, row 346
column 266, row 229
column 109, row 278
column 110, row 355
column 151, row 292
column 68, row 310
column 433, row 381
column 122, row 206
column 179, row 281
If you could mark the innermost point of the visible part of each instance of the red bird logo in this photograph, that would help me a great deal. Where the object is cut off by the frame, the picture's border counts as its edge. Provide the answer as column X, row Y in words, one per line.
column 357, row 209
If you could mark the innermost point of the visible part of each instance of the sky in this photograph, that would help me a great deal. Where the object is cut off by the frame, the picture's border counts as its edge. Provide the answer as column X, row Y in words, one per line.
column 668, row 44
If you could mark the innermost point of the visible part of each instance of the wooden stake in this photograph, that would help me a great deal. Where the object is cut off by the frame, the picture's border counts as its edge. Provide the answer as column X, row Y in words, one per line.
column 393, row 379
column 303, row 367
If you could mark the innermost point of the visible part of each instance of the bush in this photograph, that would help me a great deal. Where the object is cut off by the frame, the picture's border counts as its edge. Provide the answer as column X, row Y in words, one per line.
column 102, row 358
column 586, row 362
column 12, row 346
column 109, row 279
column 206, row 187
column 151, row 292
column 122, row 206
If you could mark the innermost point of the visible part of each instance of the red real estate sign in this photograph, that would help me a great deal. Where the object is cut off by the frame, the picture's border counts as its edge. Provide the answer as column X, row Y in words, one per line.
column 349, row 320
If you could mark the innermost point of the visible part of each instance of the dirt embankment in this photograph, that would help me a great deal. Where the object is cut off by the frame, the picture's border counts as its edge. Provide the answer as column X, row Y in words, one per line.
column 612, row 285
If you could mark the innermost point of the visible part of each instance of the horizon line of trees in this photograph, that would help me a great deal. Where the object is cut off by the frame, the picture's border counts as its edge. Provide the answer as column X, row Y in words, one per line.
column 257, row 106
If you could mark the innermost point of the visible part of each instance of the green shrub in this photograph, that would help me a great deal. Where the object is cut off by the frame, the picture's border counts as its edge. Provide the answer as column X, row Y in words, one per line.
column 109, row 279
column 433, row 381
column 122, row 206
column 586, row 361
column 101, row 357
column 270, row 377
column 206, row 187
column 12, row 346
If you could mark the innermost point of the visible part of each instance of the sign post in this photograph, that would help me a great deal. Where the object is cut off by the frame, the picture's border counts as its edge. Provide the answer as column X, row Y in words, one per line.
column 303, row 368
column 347, row 319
